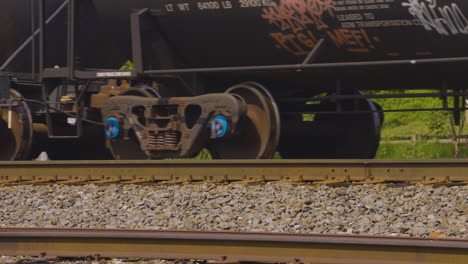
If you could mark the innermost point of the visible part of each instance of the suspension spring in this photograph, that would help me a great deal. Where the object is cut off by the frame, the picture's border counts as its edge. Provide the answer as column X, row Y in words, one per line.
column 164, row 139
column 171, row 139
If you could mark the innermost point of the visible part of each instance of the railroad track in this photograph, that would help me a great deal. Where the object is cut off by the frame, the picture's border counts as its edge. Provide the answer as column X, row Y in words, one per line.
column 237, row 171
column 228, row 247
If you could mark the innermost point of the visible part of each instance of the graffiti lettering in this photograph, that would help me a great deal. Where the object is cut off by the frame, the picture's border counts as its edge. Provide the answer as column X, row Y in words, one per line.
column 354, row 40
column 300, row 23
column 445, row 20
column 297, row 44
column 295, row 15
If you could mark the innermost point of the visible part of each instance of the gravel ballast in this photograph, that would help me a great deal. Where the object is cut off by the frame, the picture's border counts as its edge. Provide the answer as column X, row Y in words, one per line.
column 415, row 210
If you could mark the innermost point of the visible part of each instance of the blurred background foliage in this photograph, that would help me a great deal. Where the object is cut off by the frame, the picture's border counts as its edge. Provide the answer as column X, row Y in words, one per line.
column 431, row 133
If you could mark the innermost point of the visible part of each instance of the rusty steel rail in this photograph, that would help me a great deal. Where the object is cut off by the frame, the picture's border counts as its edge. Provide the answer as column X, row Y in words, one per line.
column 176, row 171
column 230, row 246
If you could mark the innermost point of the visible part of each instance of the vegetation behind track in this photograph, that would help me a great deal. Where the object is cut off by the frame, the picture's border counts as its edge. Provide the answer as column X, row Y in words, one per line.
column 425, row 125
column 419, row 150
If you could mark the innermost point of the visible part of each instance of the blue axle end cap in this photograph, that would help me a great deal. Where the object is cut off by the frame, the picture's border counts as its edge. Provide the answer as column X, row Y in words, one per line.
column 219, row 126
column 112, row 127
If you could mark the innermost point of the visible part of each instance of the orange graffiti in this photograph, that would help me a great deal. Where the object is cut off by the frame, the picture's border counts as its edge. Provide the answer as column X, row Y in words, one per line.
column 300, row 24
column 298, row 44
column 354, row 40
column 295, row 15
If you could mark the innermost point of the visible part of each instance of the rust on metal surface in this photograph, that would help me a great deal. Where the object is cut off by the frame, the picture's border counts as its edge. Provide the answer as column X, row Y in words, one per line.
column 231, row 246
column 151, row 127
column 191, row 171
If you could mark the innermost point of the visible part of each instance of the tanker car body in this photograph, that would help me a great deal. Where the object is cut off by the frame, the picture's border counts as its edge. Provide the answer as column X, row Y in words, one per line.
column 232, row 76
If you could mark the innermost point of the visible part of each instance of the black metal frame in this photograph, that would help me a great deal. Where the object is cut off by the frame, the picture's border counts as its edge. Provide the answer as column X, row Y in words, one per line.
column 338, row 97
column 4, row 89
column 69, row 71
column 137, row 51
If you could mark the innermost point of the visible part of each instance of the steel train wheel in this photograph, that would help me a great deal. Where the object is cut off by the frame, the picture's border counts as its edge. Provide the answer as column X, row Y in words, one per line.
column 130, row 149
column 258, row 133
column 333, row 136
column 18, row 137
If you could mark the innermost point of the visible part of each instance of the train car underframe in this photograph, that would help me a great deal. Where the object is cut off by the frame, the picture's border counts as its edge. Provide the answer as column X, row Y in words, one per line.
column 122, row 121
column 76, row 113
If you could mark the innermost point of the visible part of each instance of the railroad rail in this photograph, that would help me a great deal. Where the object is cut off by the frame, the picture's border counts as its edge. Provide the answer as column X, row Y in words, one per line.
column 240, row 171
column 230, row 246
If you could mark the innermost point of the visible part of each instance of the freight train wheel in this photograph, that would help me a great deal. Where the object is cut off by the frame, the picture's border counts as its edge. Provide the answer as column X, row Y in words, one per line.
column 258, row 133
column 128, row 149
column 333, row 136
column 16, row 130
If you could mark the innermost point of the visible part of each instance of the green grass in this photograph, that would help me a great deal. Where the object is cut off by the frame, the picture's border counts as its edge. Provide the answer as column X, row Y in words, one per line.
column 407, row 124
column 405, row 130
column 419, row 125
column 419, row 150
